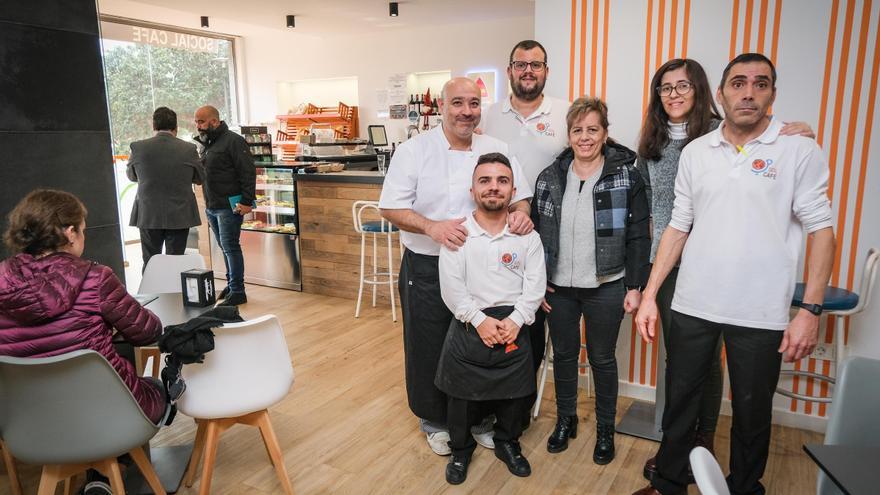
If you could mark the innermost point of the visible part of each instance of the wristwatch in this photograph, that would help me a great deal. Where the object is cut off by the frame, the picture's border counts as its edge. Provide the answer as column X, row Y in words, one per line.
column 816, row 309
column 633, row 287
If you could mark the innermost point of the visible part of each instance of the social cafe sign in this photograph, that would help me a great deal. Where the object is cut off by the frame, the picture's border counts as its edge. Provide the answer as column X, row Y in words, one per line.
column 159, row 37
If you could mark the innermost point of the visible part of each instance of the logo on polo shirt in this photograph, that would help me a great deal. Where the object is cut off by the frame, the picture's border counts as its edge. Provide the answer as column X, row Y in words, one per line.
column 510, row 261
column 764, row 168
column 543, row 127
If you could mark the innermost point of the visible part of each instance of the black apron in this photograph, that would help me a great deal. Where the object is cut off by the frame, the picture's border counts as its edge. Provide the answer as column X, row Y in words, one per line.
column 425, row 323
column 470, row 370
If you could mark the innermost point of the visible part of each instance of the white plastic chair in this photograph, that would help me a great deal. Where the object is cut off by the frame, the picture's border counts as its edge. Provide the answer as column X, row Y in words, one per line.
column 72, row 412
column 707, row 472
column 162, row 274
column 376, row 228
column 852, row 418
column 248, row 371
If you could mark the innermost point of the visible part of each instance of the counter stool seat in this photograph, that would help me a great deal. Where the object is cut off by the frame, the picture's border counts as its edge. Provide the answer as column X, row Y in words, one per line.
column 375, row 228
column 835, row 298
column 378, row 227
column 840, row 303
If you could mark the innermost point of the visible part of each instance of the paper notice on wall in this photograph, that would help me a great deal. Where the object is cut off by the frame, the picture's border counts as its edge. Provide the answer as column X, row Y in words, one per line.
column 397, row 111
column 397, row 90
column 381, row 98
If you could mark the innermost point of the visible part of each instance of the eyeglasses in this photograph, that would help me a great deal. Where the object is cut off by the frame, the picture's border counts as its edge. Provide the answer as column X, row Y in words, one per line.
column 681, row 88
column 520, row 66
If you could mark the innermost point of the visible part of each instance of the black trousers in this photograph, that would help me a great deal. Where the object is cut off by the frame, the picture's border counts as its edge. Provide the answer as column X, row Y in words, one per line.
column 602, row 309
column 753, row 364
column 710, row 402
column 152, row 241
column 462, row 414
column 425, row 324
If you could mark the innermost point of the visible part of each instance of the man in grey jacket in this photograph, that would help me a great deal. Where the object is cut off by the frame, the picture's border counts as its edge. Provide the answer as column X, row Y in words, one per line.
column 165, row 169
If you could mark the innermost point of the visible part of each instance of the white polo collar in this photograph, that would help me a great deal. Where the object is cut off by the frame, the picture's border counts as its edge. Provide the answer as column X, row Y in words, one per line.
column 475, row 230
column 440, row 136
column 543, row 109
column 770, row 134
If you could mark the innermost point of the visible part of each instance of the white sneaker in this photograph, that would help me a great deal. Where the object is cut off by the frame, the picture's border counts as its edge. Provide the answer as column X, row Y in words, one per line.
column 486, row 439
column 439, row 442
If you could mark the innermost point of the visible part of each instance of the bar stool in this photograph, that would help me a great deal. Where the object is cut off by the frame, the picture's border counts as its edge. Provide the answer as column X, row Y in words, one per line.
column 375, row 228
column 839, row 303
column 548, row 360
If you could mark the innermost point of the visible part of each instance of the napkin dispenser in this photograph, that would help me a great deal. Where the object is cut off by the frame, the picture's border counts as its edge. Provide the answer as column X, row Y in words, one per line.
column 198, row 287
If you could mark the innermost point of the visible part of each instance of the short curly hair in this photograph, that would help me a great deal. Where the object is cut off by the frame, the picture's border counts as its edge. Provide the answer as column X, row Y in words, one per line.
column 37, row 223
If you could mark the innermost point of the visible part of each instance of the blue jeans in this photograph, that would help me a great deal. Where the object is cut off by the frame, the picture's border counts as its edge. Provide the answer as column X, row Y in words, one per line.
column 226, row 226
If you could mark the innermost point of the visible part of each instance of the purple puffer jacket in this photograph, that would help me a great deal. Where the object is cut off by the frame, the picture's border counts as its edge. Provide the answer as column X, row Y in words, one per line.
column 62, row 303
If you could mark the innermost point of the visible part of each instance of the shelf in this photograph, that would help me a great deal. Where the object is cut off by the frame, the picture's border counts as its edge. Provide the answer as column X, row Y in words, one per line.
column 279, row 210
column 275, row 187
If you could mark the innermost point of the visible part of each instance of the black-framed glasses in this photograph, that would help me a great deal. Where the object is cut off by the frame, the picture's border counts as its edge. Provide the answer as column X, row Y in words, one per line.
column 681, row 88
column 520, row 65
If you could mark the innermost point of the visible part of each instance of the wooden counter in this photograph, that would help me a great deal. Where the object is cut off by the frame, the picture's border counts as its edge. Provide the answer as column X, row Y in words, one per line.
column 330, row 246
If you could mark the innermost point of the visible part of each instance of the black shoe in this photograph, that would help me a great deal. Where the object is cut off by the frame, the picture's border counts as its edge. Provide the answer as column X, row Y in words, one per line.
column 650, row 468
column 456, row 470
column 223, row 293
column 234, row 299
column 510, row 454
column 604, row 451
column 566, row 427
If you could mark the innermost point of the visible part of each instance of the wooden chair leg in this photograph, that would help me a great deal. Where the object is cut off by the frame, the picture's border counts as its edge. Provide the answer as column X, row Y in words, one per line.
column 212, row 437
column 274, row 449
column 68, row 485
column 146, row 467
column 49, row 480
column 9, row 462
column 198, row 449
column 110, row 469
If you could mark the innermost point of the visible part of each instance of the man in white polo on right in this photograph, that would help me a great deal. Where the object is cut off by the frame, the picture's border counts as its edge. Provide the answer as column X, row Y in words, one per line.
column 744, row 195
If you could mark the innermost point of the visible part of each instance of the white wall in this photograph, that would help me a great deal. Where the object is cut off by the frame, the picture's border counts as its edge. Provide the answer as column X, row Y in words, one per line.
column 267, row 56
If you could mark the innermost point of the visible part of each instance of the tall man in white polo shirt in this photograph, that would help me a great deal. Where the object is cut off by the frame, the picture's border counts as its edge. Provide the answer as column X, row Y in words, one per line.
column 426, row 194
column 744, row 195
column 493, row 285
column 533, row 126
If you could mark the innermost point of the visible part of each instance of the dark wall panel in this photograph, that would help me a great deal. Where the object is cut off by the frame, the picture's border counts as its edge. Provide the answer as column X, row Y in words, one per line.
column 54, row 127
column 51, row 80
column 74, row 15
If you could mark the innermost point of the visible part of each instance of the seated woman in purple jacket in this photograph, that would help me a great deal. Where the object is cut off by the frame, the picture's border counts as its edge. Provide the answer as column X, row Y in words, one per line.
column 53, row 302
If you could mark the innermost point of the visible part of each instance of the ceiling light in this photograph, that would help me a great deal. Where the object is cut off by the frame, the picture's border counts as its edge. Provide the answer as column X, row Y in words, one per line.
column 204, row 21
column 291, row 21
column 392, row 9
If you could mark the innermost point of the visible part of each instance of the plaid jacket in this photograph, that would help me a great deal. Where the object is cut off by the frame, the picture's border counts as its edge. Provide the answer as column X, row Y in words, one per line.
column 621, row 211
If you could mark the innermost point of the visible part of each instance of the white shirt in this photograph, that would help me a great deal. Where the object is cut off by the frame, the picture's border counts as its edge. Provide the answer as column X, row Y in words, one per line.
column 535, row 140
column 488, row 271
column 746, row 213
column 428, row 177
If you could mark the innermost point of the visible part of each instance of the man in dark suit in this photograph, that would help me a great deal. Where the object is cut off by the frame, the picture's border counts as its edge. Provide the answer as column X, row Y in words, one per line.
column 165, row 169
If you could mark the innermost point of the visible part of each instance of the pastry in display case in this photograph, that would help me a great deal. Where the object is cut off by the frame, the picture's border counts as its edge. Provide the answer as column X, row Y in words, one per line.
column 269, row 233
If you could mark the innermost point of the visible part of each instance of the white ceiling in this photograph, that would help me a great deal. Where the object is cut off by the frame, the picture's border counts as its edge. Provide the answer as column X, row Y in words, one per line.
column 322, row 17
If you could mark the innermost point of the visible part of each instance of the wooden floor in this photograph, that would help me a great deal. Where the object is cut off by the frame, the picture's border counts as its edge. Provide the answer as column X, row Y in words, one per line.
column 345, row 426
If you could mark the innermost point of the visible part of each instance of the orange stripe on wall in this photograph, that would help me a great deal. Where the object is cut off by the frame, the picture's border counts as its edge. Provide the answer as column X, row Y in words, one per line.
column 684, row 35
column 661, row 19
column 571, row 51
column 776, row 16
column 851, row 137
column 734, row 21
column 594, row 48
column 673, row 19
column 838, row 110
column 826, row 81
column 647, row 75
column 762, row 26
column 747, row 34
column 823, row 386
column 583, row 55
column 605, row 48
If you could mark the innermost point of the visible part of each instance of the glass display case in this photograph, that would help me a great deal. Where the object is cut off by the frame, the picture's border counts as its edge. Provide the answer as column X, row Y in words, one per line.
column 270, row 233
